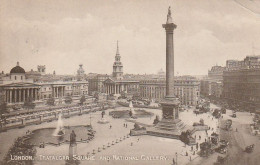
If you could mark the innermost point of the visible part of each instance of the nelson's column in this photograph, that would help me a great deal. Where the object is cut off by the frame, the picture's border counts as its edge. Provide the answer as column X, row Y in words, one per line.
column 170, row 125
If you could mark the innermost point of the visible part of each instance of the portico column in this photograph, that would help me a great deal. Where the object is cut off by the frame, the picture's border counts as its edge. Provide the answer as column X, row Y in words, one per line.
column 56, row 92
column 15, row 97
column 20, row 99
column 6, row 95
column 114, row 88
column 23, row 95
column 35, row 94
column 11, row 93
column 27, row 93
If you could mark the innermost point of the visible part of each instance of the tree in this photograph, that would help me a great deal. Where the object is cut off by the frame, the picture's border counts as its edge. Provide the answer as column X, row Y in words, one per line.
column 3, row 108
column 28, row 103
column 82, row 99
column 68, row 100
column 51, row 101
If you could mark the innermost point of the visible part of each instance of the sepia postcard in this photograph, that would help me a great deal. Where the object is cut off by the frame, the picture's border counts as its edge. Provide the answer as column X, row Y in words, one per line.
column 129, row 82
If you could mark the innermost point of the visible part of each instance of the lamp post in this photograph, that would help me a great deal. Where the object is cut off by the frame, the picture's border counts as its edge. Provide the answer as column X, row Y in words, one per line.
column 176, row 158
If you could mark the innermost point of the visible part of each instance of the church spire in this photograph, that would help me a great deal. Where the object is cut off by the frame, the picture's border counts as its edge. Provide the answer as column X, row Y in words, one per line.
column 117, row 49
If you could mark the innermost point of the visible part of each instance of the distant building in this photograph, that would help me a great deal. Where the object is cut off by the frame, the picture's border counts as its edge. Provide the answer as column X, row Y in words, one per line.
column 117, row 84
column 96, row 83
column 216, row 73
column 41, row 69
column 118, row 66
column 186, row 88
column 80, row 71
column 247, row 63
column 17, row 88
column 242, row 86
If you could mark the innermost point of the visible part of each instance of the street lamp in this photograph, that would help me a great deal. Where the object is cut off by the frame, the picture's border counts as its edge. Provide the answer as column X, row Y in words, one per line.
column 176, row 158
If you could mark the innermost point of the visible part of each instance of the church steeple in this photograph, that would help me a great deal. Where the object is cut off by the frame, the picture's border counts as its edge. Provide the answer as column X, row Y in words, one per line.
column 118, row 66
column 117, row 49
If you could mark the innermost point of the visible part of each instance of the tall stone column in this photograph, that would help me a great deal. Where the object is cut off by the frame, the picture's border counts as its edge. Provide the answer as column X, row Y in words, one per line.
column 170, row 103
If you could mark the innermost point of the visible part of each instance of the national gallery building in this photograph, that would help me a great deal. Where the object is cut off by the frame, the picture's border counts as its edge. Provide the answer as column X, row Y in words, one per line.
column 15, row 88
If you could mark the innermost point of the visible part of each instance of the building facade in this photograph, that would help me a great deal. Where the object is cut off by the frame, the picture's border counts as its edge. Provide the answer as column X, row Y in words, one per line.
column 17, row 88
column 96, row 83
column 117, row 83
column 216, row 73
column 186, row 88
column 242, row 86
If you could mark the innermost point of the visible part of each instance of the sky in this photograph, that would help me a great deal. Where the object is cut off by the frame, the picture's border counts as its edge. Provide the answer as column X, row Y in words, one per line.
column 61, row 34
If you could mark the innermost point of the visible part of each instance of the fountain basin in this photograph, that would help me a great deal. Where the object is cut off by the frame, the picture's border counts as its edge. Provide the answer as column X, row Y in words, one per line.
column 44, row 135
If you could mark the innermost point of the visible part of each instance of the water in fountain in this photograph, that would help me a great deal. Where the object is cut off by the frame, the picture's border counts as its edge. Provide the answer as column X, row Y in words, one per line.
column 132, row 108
column 59, row 131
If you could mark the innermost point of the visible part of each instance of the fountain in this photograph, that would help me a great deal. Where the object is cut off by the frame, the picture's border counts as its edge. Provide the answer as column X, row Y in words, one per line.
column 59, row 131
column 132, row 108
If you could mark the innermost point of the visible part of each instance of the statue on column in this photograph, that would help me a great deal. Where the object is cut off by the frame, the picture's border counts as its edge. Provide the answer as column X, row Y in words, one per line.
column 169, row 11
column 169, row 15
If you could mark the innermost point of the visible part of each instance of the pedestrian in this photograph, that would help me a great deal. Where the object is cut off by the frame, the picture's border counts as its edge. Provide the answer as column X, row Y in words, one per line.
column 187, row 153
column 126, row 125
column 205, row 139
column 197, row 146
column 173, row 161
column 191, row 148
column 199, row 137
column 110, row 126
column 138, row 140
